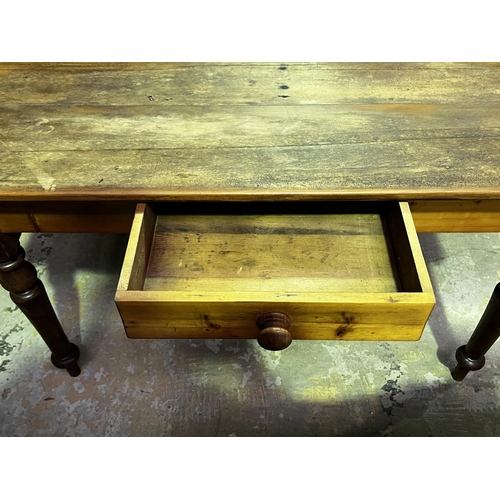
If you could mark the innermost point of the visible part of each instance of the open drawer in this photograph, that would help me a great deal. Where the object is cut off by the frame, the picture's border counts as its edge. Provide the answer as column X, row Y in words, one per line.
column 274, row 272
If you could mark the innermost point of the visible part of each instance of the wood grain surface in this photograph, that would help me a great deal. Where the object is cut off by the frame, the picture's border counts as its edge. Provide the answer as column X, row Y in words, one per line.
column 287, row 253
column 148, row 132
column 116, row 216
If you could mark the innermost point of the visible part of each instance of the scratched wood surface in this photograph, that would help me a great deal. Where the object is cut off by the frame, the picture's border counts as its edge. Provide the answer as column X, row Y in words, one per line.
column 287, row 253
column 242, row 131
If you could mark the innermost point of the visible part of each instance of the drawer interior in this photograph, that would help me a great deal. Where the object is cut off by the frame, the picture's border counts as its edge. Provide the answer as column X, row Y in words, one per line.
column 349, row 252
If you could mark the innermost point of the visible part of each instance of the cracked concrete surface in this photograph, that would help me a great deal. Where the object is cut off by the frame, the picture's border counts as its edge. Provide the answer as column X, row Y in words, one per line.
column 234, row 388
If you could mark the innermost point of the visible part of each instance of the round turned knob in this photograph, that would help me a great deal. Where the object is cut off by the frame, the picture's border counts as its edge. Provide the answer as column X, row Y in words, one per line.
column 274, row 334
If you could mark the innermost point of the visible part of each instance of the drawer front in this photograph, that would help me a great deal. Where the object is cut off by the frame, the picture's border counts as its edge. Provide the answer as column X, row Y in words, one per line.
column 335, row 271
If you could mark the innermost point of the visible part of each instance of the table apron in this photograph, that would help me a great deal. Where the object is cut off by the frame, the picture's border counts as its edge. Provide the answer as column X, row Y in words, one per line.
column 430, row 216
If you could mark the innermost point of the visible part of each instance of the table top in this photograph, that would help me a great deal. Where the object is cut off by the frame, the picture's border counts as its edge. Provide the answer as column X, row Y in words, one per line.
column 241, row 131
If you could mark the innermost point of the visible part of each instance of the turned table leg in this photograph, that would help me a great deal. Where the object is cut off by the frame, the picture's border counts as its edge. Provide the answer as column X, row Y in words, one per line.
column 470, row 357
column 19, row 277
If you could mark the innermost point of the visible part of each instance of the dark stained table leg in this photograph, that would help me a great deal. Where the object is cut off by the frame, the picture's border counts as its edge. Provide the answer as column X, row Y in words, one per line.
column 19, row 277
column 470, row 357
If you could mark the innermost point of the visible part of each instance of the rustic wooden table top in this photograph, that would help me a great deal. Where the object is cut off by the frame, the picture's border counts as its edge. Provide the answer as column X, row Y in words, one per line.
column 245, row 131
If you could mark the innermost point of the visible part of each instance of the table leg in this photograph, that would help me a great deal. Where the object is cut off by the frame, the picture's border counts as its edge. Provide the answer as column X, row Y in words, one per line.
column 470, row 357
column 19, row 277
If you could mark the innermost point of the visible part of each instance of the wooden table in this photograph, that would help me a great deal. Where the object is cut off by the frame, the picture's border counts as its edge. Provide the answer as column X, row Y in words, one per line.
column 81, row 144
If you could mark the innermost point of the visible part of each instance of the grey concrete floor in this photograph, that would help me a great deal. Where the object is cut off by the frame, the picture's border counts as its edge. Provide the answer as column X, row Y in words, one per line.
column 235, row 388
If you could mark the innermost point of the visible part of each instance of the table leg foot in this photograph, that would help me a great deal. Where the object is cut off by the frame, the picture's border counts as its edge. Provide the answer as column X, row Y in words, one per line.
column 69, row 363
column 465, row 364
column 19, row 277
column 470, row 357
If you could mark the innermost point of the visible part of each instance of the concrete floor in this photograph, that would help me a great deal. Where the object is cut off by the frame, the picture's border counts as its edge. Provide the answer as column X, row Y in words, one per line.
column 235, row 388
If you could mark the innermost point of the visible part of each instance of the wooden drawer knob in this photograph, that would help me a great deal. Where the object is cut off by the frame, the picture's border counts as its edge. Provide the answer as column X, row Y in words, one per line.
column 274, row 334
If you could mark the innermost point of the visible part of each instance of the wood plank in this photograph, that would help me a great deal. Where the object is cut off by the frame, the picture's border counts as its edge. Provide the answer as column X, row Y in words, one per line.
column 145, row 66
column 66, row 217
column 247, row 83
column 415, row 249
column 93, row 128
column 375, row 332
column 456, row 216
column 346, row 283
column 116, row 217
column 408, row 254
column 345, row 299
column 364, row 316
column 138, row 250
column 431, row 169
